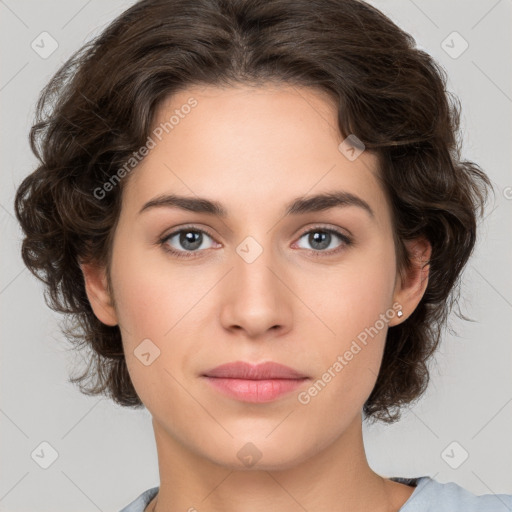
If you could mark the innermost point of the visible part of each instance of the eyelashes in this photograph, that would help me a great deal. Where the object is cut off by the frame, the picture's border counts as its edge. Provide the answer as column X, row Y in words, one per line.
column 346, row 241
column 196, row 241
column 184, row 254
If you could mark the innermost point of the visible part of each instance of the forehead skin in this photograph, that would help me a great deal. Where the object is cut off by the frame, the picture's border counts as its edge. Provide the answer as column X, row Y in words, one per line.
column 252, row 148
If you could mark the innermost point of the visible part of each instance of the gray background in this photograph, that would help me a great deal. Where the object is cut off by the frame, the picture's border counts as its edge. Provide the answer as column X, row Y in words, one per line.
column 106, row 454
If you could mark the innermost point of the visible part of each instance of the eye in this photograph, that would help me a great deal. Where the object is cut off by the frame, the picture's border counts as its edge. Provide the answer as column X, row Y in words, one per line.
column 321, row 238
column 185, row 242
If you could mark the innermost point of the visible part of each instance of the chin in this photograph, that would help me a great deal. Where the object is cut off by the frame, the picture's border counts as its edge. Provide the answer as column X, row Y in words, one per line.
column 253, row 455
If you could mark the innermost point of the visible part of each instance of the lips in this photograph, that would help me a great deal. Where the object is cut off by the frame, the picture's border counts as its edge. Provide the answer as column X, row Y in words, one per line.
column 246, row 371
column 260, row 383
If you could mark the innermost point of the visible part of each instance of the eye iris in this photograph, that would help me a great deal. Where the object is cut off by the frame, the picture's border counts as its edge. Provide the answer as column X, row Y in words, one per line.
column 320, row 237
column 191, row 237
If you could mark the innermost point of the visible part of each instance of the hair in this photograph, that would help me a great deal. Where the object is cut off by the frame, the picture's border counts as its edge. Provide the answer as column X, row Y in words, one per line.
column 100, row 106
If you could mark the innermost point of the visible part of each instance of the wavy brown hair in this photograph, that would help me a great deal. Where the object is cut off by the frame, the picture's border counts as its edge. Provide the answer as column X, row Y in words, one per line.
column 99, row 107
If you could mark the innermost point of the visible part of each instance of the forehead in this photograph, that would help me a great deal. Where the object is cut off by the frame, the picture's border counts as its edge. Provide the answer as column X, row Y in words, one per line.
column 257, row 114
column 263, row 144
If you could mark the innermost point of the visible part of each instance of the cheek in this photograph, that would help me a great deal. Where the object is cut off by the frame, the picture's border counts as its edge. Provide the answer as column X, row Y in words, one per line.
column 139, row 305
column 354, row 294
column 354, row 307
column 149, row 304
column 150, row 296
column 159, row 302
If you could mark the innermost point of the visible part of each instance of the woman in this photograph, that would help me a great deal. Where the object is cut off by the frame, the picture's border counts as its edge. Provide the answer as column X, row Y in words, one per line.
column 257, row 214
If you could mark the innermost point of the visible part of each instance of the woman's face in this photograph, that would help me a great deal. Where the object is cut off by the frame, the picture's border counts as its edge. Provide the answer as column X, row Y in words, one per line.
column 257, row 284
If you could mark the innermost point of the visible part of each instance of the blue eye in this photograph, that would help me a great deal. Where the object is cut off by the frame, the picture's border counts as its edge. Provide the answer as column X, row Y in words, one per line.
column 192, row 240
column 322, row 238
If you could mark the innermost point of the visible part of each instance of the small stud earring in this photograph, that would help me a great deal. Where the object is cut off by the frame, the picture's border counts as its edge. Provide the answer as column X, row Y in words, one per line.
column 400, row 313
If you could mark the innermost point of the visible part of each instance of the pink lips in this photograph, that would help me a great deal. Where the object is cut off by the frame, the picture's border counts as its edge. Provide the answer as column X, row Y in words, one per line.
column 255, row 383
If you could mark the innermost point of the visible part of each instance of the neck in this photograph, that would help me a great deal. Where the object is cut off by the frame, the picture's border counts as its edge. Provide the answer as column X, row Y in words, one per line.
column 336, row 478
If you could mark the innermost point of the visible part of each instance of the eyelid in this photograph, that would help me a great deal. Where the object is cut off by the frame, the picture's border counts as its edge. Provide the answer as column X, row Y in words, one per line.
column 190, row 227
column 327, row 227
column 346, row 239
column 162, row 239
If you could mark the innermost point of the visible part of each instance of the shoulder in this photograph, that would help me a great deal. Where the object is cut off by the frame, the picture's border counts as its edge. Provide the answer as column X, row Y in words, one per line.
column 432, row 496
column 142, row 501
column 428, row 496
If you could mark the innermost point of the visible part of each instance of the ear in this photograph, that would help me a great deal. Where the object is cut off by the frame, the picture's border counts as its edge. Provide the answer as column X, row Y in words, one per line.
column 96, row 287
column 409, row 289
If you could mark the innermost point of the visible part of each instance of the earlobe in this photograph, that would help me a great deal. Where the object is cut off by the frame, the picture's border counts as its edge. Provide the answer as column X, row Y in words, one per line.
column 96, row 287
column 410, row 289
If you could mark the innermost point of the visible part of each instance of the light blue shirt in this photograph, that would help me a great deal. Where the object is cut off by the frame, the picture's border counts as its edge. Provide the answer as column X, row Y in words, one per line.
column 428, row 496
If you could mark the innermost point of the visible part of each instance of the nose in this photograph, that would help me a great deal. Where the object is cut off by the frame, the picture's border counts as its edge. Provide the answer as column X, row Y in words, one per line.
column 256, row 296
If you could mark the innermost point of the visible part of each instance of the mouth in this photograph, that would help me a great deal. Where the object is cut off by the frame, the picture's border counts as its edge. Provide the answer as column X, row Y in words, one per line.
column 254, row 383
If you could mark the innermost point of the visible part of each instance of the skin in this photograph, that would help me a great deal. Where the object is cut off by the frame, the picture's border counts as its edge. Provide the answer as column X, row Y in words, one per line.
column 254, row 150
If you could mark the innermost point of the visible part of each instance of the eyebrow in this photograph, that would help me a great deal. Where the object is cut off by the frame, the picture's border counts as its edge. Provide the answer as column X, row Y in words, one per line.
column 297, row 206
